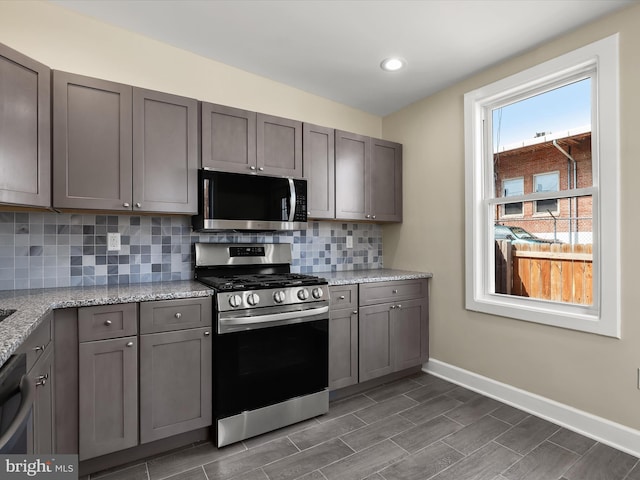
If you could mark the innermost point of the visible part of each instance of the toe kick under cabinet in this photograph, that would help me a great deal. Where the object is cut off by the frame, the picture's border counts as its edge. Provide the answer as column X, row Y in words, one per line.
column 144, row 373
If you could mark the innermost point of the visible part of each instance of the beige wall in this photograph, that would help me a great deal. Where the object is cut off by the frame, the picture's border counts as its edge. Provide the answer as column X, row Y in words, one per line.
column 68, row 41
column 589, row 372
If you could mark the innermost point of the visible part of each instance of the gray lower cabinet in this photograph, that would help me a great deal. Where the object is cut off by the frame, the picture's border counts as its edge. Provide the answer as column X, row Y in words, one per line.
column 107, row 379
column 108, row 396
column 343, row 336
column 25, row 133
column 318, row 158
column 122, row 148
column 175, row 383
column 39, row 351
column 42, row 375
column 394, row 335
column 240, row 141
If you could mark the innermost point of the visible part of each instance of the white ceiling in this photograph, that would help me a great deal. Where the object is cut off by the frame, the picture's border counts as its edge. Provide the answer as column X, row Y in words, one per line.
column 333, row 48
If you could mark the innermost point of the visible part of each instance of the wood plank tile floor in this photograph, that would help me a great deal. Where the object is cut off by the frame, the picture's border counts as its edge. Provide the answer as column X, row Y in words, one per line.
column 416, row 428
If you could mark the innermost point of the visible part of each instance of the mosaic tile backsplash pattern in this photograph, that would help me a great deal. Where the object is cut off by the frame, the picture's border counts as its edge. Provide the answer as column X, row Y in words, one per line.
column 42, row 250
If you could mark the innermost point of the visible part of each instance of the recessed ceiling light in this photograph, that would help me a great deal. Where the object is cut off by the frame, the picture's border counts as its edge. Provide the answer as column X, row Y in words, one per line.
column 393, row 64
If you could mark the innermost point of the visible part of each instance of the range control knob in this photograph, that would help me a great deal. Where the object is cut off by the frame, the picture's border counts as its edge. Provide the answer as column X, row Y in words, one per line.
column 317, row 293
column 278, row 296
column 303, row 294
column 235, row 301
column 253, row 299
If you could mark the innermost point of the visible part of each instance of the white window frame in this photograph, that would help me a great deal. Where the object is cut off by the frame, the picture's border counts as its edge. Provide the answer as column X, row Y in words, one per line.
column 535, row 189
column 600, row 61
column 503, row 208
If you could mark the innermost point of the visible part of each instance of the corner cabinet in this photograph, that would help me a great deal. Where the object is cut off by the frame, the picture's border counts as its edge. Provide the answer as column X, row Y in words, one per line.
column 241, row 141
column 394, row 327
column 368, row 178
column 25, row 134
column 122, row 148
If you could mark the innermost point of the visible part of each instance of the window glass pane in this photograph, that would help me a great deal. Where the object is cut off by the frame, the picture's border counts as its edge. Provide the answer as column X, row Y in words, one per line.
column 548, row 258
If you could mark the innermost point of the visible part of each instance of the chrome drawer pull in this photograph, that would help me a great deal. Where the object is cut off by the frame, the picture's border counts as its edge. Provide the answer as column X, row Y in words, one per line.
column 107, row 323
column 129, row 344
column 178, row 315
column 341, row 297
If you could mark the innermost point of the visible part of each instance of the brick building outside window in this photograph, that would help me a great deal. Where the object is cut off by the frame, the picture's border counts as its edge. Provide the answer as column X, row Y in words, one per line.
column 548, row 162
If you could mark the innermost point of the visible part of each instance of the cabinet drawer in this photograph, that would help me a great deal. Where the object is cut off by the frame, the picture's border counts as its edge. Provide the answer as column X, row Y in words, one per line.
column 168, row 315
column 37, row 342
column 343, row 296
column 382, row 292
column 108, row 321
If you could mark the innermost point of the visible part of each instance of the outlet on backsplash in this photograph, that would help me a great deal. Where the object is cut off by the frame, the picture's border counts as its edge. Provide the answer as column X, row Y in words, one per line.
column 349, row 241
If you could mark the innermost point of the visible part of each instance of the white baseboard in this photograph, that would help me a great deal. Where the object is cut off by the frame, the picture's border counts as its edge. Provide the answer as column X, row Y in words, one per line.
column 605, row 431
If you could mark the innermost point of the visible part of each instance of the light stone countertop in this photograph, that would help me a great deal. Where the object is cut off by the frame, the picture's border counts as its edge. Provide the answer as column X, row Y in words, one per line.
column 351, row 277
column 33, row 305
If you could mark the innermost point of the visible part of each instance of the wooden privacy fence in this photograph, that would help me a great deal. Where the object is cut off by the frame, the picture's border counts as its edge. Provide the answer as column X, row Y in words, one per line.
column 559, row 272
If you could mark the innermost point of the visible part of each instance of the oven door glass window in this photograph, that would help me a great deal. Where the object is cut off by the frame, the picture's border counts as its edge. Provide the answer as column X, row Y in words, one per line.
column 257, row 368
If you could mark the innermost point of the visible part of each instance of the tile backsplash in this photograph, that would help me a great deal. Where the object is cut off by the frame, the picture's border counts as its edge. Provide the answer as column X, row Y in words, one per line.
column 41, row 250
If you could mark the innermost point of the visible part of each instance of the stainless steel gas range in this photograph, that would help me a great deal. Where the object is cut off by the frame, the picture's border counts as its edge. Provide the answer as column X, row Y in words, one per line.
column 271, row 343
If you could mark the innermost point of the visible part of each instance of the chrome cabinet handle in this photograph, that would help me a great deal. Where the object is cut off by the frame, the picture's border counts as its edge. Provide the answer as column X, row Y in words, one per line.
column 178, row 315
column 252, row 167
column 207, row 333
column 341, row 297
column 367, row 216
column 129, row 344
column 126, row 205
column 39, row 348
column 399, row 306
column 355, row 312
column 42, row 380
column 261, row 169
column 394, row 291
column 107, row 322
column 138, row 205
column 373, row 216
column 393, row 307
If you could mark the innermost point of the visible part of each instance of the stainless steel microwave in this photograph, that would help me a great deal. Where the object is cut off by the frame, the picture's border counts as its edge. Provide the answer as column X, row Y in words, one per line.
column 239, row 201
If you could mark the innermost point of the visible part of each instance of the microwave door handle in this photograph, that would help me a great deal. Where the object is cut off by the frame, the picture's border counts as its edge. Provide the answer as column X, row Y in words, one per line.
column 292, row 200
column 207, row 199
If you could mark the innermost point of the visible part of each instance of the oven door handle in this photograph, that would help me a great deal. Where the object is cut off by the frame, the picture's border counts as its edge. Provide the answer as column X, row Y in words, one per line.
column 27, row 390
column 296, row 316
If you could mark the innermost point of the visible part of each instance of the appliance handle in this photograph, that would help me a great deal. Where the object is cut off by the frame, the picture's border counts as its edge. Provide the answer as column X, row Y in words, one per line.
column 292, row 200
column 272, row 317
column 27, row 389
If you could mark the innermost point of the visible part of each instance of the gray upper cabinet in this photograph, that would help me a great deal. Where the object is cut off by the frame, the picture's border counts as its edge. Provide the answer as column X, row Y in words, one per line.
column 352, row 166
column 385, row 181
column 123, row 148
column 25, row 133
column 228, row 138
column 165, row 152
column 235, row 140
column 318, row 158
column 278, row 146
column 92, row 135
column 368, row 178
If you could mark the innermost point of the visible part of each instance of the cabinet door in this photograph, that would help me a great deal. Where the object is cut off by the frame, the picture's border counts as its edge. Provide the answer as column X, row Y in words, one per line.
column 352, row 165
column 385, row 181
column 92, row 143
column 175, row 383
column 411, row 333
column 376, row 341
column 228, row 138
column 165, row 152
column 25, row 133
column 343, row 348
column 108, row 396
column 279, row 146
column 42, row 376
column 319, row 170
